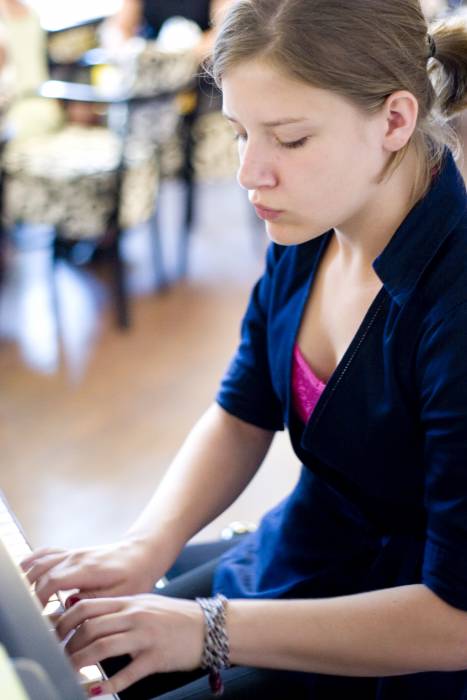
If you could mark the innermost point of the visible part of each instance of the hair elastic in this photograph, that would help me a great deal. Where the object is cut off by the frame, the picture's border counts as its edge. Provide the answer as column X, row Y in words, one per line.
column 431, row 46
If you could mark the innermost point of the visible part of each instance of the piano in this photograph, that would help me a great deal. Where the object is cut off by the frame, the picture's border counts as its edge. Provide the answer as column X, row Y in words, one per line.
column 15, row 605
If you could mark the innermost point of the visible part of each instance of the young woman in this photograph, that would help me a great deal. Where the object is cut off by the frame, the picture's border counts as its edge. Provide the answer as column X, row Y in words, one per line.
column 355, row 338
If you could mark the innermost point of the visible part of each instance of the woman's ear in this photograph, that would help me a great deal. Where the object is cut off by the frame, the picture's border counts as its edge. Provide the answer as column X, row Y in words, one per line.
column 400, row 113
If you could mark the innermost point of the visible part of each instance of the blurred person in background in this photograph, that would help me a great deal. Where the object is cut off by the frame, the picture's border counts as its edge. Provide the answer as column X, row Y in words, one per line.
column 146, row 18
column 23, row 56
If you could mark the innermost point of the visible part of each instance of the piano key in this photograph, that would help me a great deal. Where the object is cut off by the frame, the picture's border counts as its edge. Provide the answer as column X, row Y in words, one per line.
column 12, row 536
column 53, row 607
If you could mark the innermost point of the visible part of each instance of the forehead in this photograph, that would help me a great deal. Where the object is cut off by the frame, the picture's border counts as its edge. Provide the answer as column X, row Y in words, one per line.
column 255, row 90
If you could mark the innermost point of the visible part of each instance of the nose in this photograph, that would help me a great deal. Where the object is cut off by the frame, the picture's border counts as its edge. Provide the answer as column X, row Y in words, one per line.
column 256, row 169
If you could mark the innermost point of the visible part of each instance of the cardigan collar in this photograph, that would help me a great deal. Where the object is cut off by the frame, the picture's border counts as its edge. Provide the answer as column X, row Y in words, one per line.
column 422, row 232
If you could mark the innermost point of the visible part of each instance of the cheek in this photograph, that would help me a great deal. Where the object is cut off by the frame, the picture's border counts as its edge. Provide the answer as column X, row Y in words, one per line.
column 319, row 177
column 325, row 190
column 340, row 171
column 330, row 174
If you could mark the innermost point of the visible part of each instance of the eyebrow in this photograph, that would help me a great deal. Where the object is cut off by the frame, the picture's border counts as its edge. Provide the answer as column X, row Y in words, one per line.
column 277, row 122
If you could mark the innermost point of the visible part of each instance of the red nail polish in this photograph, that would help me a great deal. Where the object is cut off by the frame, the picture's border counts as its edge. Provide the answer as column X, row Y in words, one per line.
column 72, row 600
column 97, row 690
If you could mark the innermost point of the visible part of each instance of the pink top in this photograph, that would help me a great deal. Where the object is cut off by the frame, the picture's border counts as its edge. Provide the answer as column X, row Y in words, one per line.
column 306, row 387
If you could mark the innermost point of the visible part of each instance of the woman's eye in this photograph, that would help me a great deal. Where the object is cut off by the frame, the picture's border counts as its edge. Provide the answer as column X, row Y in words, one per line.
column 294, row 144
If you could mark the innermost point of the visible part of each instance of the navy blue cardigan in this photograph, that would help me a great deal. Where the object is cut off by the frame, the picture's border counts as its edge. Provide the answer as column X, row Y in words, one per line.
column 382, row 498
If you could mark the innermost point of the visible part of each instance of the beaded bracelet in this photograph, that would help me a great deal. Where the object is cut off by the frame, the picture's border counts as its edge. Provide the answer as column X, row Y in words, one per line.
column 215, row 655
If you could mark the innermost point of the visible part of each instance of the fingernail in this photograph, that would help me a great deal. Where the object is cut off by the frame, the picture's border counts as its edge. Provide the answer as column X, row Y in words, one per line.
column 72, row 600
column 96, row 690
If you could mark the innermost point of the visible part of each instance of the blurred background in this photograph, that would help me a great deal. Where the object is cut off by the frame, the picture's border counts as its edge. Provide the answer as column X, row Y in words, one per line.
column 127, row 254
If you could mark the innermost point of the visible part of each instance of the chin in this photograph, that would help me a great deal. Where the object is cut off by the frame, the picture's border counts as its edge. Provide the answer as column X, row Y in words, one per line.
column 292, row 235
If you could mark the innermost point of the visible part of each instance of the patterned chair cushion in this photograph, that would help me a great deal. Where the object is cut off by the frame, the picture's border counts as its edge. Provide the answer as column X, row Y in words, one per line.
column 69, row 179
column 215, row 154
column 150, row 70
column 153, row 122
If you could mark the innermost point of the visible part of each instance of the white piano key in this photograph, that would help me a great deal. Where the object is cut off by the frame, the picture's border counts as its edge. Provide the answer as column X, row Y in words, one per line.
column 14, row 540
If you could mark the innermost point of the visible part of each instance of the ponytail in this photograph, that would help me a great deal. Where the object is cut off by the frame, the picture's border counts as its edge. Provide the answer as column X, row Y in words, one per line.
column 448, row 70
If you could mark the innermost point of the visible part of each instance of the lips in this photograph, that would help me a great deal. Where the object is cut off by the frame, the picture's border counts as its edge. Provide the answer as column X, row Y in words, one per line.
column 266, row 213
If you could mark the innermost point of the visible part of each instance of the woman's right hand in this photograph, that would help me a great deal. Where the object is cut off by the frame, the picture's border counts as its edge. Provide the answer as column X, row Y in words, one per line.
column 123, row 568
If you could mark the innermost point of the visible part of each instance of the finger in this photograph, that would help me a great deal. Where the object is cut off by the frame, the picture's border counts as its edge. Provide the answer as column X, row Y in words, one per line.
column 140, row 667
column 87, row 610
column 31, row 559
column 104, row 592
column 105, row 647
column 44, row 564
column 71, row 600
column 65, row 578
column 89, row 595
column 92, row 629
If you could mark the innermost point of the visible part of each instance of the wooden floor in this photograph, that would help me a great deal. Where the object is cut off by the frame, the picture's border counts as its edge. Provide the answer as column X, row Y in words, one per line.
column 90, row 417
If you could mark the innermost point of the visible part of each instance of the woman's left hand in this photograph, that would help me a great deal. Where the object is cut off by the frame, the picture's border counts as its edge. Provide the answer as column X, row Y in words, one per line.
column 160, row 634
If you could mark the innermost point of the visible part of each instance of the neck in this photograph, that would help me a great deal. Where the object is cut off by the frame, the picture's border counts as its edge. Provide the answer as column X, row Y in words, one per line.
column 362, row 239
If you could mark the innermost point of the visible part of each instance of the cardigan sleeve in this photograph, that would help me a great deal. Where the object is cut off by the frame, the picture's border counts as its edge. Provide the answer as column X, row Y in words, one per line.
column 246, row 390
column 442, row 369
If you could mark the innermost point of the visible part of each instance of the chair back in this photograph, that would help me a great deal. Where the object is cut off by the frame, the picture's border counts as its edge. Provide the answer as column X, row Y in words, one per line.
column 154, row 71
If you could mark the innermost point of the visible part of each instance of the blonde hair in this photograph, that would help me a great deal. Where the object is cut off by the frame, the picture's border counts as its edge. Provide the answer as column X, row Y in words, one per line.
column 364, row 50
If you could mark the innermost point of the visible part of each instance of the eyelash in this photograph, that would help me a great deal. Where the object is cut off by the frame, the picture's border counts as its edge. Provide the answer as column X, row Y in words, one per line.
column 289, row 145
column 295, row 144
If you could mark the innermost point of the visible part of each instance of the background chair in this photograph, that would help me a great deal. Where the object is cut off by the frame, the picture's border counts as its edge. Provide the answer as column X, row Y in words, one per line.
column 91, row 182
column 201, row 148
